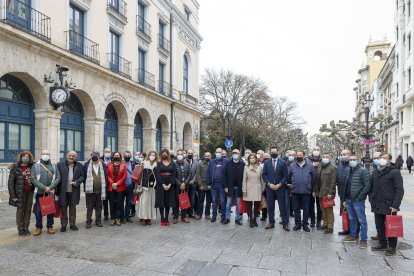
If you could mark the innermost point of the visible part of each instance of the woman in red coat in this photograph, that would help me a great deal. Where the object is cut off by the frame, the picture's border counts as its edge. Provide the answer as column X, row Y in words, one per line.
column 116, row 186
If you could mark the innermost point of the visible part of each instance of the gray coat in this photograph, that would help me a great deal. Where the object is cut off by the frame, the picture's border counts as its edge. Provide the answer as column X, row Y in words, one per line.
column 77, row 177
column 193, row 172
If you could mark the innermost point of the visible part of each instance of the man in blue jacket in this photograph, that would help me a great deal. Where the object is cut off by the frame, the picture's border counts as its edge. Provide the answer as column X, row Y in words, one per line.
column 302, row 176
column 215, row 181
column 275, row 175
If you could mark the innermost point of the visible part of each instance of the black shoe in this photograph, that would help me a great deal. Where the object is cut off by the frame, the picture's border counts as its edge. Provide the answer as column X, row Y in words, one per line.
column 27, row 232
column 225, row 221
column 129, row 220
column 296, row 228
column 391, row 251
column 191, row 216
column 318, row 225
column 106, row 218
column 281, row 222
column 312, row 224
column 63, row 229
column 88, row 225
column 21, row 232
column 263, row 219
column 213, row 219
column 380, row 247
column 286, row 227
column 99, row 224
column 306, row 228
column 74, row 228
column 270, row 226
column 343, row 233
column 132, row 215
column 238, row 222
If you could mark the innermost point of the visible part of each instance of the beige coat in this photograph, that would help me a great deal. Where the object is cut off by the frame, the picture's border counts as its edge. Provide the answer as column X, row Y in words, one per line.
column 253, row 183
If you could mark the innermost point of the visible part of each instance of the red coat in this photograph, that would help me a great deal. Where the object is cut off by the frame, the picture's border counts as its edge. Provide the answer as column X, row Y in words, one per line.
column 121, row 177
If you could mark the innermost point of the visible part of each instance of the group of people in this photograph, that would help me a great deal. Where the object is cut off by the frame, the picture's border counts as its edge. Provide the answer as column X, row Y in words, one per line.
column 298, row 182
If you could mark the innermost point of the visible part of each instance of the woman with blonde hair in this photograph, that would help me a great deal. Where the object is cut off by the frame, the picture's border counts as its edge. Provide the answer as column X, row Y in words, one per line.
column 147, row 211
column 21, row 191
column 252, row 188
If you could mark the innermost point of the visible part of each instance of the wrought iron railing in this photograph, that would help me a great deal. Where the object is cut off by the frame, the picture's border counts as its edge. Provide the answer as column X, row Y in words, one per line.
column 119, row 7
column 163, row 43
column 119, row 65
column 24, row 17
column 164, row 88
column 80, row 45
column 146, row 78
column 143, row 26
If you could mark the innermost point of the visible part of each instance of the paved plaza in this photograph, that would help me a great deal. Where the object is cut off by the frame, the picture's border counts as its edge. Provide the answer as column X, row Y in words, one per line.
column 198, row 248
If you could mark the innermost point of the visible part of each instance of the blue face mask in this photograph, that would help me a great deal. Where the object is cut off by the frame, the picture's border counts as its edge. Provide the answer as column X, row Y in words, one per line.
column 107, row 155
column 376, row 162
column 218, row 155
column 353, row 163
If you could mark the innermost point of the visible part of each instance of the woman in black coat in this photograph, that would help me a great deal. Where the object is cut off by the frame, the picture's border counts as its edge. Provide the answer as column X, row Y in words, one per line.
column 21, row 191
column 385, row 197
column 165, row 190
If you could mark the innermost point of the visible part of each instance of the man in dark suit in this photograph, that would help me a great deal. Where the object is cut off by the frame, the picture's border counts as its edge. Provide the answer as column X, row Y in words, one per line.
column 275, row 175
column 71, row 172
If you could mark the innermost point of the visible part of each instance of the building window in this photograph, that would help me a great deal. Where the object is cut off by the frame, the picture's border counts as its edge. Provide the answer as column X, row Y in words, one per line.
column 396, row 33
column 402, row 119
column 397, row 60
column 138, row 134
column 161, row 77
column 187, row 13
column 409, row 42
column 397, row 88
column 114, row 54
column 142, row 63
column 111, row 128
column 185, row 74
column 76, row 29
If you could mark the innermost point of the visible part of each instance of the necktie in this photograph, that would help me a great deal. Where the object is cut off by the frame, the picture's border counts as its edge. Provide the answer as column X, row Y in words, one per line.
column 274, row 164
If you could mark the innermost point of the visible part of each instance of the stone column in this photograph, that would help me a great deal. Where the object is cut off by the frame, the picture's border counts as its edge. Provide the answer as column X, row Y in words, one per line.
column 148, row 139
column 125, row 137
column 47, row 132
column 93, row 136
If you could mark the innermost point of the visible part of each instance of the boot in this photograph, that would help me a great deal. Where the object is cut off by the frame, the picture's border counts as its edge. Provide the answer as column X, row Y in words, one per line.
column 118, row 222
column 255, row 222
column 112, row 222
column 251, row 222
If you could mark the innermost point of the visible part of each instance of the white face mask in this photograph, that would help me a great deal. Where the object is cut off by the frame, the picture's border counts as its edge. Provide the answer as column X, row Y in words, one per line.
column 316, row 153
column 45, row 157
column 235, row 156
column 325, row 161
column 382, row 162
column 136, row 157
column 291, row 158
column 180, row 157
column 152, row 158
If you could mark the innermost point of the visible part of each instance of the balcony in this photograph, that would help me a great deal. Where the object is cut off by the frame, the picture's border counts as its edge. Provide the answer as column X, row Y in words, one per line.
column 79, row 45
column 146, row 79
column 119, row 65
column 163, row 43
column 143, row 28
column 24, row 17
column 185, row 98
column 118, row 9
column 164, row 88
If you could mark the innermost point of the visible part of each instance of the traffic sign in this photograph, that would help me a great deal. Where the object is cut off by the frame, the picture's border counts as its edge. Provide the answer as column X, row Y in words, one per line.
column 228, row 143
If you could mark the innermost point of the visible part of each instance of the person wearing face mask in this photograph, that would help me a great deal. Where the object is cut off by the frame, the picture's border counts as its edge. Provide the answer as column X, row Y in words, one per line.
column 95, row 188
column 117, row 174
column 45, row 177
column 356, row 190
column 252, row 188
column 129, row 192
column 275, row 175
column 204, row 191
column 291, row 156
column 247, row 152
column 325, row 185
column 386, row 196
column 139, row 159
column 266, row 156
column 182, row 178
column 233, row 179
column 71, row 173
column 106, row 158
column 165, row 190
column 215, row 179
column 375, row 162
column 342, row 176
column 21, row 191
column 192, row 188
column 147, row 212
column 315, row 158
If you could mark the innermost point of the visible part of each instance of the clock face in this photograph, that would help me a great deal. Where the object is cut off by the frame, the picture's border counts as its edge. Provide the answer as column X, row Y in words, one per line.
column 59, row 95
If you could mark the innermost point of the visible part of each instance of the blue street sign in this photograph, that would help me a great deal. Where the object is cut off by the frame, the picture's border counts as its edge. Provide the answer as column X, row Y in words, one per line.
column 228, row 143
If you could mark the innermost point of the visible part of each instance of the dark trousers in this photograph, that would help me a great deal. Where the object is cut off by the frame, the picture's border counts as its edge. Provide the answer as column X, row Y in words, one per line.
column 105, row 206
column 270, row 198
column 116, row 208
column 164, row 213
column 93, row 201
column 133, row 211
column 301, row 200
column 192, row 194
column 253, row 206
column 409, row 169
column 315, row 201
column 72, row 211
column 380, row 225
column 128, row 193
column 204, row 195
column 23, row 213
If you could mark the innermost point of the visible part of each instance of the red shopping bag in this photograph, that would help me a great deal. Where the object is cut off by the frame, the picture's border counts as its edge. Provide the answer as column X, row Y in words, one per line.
column 184, row 201
column 136, row 175
column 328, row 202
column 345, row 220
column 394, row 226
column 58, row 213
column 47, row 205
column 243, row 206
column 135, row 199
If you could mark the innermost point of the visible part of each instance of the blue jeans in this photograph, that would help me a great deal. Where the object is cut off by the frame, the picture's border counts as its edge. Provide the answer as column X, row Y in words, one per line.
column 39, row 218
column 215, row 193
column 192, row 190
column 356, row 213
column 129, row 192
column 301, row 201
column 230, row 202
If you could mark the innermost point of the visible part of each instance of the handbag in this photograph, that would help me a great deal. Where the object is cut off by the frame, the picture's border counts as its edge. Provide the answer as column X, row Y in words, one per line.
column 345, row 220
column 135, row 199
column 47, row 205
column 136, row 175
column 184, row 201
column 394, row 226
column 328, row 201
column 243, row 206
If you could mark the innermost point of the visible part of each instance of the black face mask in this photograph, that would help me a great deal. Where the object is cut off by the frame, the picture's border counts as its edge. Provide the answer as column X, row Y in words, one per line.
column 299, row 159
column 190, row 156
column 207, row 159
column 274, row 155
column 127, row 159
column 345, row 162
column 95, row 158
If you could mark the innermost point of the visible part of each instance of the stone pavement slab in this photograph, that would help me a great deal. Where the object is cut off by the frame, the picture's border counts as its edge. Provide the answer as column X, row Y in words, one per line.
column 215, row 269
column 190, row 268
column 249, row 271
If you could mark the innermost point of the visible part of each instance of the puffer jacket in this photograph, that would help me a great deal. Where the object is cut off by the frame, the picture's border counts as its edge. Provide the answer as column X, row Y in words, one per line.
column 342, row 175
column 387, row 190
column 325, row 180
column 360, row 183
column 15, row 185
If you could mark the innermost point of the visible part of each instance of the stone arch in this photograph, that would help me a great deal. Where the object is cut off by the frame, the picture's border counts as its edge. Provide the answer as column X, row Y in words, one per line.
column 146, row 118
column 187, row 136
column 164, row 133
column 88, row 105
column 121, row 112
column 378, row 56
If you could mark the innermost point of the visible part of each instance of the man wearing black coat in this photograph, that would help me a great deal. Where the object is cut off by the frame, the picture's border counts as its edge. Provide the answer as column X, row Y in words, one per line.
column 68, row 190
column 385, row 197
column 233, row 180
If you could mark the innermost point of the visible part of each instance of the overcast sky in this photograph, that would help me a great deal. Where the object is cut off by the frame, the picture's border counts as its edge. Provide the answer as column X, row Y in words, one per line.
column 307, row 50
